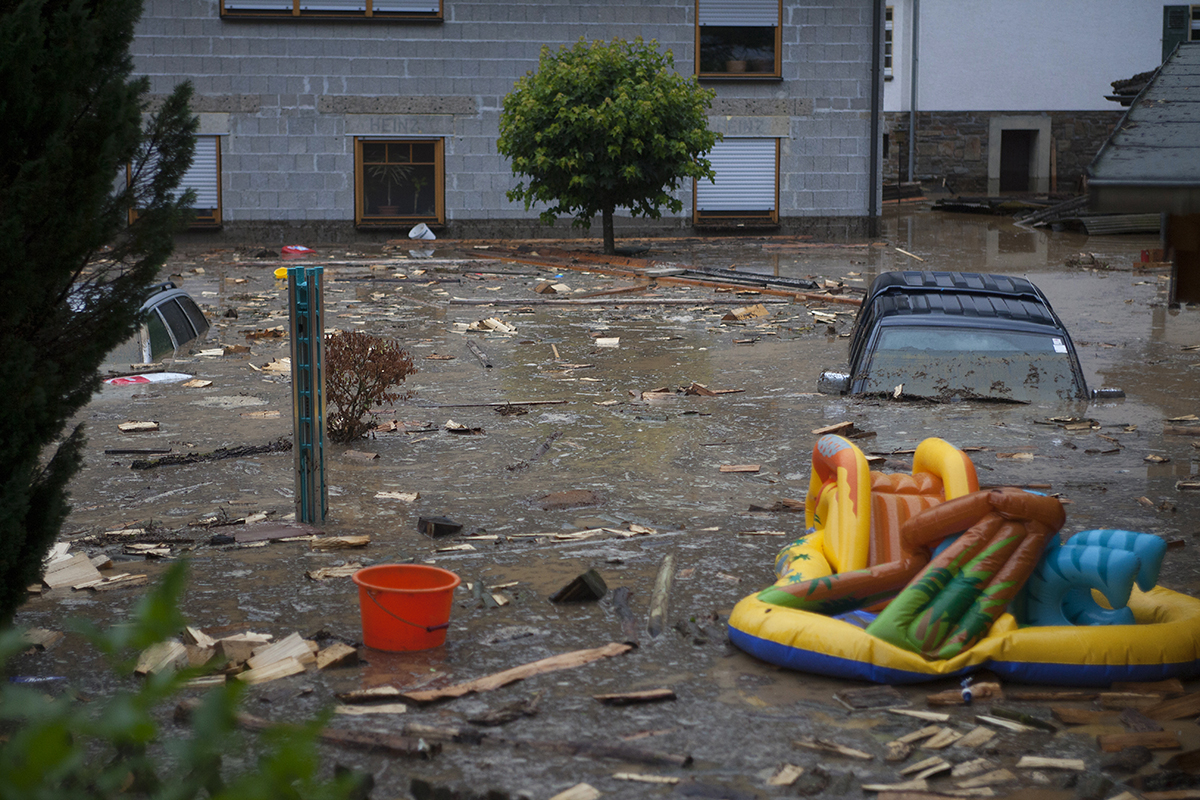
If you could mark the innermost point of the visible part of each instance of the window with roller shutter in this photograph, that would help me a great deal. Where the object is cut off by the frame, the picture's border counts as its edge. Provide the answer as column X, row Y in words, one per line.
column 746, row 186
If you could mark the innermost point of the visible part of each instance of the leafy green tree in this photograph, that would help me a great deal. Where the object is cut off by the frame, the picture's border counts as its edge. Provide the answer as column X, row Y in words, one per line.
column 602, row 126
column 77, row 155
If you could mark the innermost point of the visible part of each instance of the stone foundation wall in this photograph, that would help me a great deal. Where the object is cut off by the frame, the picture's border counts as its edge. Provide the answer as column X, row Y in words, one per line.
column 275, row 233
column 952, row 147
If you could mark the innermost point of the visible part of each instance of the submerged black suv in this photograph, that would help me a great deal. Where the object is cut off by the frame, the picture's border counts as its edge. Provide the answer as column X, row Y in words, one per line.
column 960, row 335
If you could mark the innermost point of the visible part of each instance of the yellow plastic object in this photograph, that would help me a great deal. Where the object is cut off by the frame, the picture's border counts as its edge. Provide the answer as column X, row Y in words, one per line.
column 1165, row 643
column 281, row 272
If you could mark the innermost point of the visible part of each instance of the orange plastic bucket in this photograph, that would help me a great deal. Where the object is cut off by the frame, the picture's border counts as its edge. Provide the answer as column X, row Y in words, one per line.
column 405, row 606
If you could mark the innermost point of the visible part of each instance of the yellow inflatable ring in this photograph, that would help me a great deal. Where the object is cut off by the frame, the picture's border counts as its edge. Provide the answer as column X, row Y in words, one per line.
column 1165, row 643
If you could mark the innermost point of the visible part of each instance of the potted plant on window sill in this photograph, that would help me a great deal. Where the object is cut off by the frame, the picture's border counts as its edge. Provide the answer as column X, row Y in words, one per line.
column 391, row 175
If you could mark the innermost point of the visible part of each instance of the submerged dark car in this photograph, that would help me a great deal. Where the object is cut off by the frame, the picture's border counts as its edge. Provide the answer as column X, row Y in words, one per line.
column 957, row 336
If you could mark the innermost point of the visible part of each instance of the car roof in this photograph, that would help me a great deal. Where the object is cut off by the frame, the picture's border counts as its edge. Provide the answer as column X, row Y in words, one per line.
column 933, row 297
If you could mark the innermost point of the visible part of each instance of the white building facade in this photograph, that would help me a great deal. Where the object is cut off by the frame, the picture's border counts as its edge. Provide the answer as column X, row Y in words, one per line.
column 1008, row 96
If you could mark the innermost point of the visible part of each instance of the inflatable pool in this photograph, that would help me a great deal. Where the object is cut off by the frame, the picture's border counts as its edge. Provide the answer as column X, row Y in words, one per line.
column 908, row 578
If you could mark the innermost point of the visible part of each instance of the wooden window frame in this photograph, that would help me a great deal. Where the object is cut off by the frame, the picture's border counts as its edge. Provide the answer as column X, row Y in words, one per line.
column 296, row 12
column 776, row 72
column 738, row 219
column 1194, row 23
column 436, row 219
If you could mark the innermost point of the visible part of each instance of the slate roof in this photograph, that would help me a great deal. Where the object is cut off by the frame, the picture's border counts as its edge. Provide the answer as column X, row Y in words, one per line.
column 1151, row 162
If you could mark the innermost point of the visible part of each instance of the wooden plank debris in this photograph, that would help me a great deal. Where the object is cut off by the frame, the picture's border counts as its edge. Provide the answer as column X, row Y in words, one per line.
column 942, row 739
column 786, row 775
column 137, row 427
column 1081, row 716
column 479, row 354
column 324, row 573
column 569, row 660
column 930, row 716
column 870, row 697
column 161, row 656
column 907, row 786
column 660, row 596
column 378, row 708
column 1168, row 687
column 340, row 542
column 992, row 778
column 1039, row 762
column 70, row 572
column 916, row 736
column 525, row 707
column 580, row 791
column 272, row 671
column 1048, row 695
column 639, row 777
column 371, row 695
column 338, row 654
column 740, row 467
column 1187, row 761
column 1152, row 740
column 1135, row 720
column 976, row 737
column 631, row 698
column 1187, row 705
column 973, row 767
column 745, row 312
column 1119, row 700
column 837, row 427
column 826, row 746
column 1007, row 724
column 123, row 581
column 41, row 639
column 1025, row 719
column 921, row 766
column 293, row 646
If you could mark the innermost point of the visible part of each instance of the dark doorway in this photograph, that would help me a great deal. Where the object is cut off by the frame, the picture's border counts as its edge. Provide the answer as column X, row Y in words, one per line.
column 1016, row 156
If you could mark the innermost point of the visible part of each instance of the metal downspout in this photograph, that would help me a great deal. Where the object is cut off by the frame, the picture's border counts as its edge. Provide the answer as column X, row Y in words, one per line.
column 912, row 91
column 874, row 210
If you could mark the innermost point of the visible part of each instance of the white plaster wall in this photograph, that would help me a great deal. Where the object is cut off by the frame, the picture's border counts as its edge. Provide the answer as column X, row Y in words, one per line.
column 1022, row 55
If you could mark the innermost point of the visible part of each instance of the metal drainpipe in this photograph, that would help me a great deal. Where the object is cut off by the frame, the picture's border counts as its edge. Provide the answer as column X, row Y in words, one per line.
column 874, row 211
column 912, row 92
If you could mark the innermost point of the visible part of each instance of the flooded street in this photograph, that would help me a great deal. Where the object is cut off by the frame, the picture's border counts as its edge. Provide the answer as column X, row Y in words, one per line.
column 650, row 468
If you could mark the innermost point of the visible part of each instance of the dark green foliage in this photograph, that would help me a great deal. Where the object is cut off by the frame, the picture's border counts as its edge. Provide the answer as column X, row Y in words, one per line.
column 73, row 270
column 602, row 126
column 360, row 371
column 116, row 747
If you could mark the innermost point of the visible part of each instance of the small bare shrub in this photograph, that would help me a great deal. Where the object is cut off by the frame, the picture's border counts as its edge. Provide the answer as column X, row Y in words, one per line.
column 360, row 373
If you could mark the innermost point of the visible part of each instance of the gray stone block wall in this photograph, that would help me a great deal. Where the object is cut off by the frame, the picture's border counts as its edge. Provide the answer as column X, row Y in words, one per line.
column 288, row 96
column 952, row 146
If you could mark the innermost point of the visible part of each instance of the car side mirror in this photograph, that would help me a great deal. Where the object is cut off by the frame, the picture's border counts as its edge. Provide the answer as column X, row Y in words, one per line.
column 1108, row 393
column 832, row 382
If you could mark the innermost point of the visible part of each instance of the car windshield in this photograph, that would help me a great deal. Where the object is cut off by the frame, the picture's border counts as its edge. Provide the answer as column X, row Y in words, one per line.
column 945, row 363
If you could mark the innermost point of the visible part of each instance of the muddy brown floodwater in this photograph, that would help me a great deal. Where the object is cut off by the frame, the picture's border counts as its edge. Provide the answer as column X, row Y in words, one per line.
column 654, row 464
